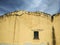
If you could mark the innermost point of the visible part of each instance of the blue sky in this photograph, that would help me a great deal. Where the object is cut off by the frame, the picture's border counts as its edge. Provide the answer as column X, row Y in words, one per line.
column 47, row 6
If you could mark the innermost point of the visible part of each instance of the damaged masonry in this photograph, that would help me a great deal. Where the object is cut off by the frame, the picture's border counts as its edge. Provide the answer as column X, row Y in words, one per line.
column 22, row 28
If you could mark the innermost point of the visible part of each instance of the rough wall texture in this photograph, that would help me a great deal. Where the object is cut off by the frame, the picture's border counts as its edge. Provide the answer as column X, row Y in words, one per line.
column 18, row 29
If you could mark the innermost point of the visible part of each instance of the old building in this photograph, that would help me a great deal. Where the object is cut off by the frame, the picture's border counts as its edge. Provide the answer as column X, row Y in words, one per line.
column 29, row 28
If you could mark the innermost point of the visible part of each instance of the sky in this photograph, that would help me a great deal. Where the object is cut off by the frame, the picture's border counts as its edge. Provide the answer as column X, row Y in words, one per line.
column 47, row 6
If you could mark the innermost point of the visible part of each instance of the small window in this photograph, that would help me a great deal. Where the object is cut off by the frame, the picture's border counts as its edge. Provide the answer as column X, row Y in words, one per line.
column 36, row 35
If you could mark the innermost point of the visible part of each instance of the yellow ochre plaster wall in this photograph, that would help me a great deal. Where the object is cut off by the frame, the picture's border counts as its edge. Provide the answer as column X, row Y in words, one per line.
column 18, row 28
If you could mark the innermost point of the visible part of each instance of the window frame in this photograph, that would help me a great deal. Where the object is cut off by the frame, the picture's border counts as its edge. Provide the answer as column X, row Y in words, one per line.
column 36, row 35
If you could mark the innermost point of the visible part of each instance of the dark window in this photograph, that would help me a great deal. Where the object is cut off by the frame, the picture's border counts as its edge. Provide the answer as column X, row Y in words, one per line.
column 36, row 35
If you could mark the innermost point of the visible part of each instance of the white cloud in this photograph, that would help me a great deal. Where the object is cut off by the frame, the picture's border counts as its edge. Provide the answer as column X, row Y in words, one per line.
column 48, row 6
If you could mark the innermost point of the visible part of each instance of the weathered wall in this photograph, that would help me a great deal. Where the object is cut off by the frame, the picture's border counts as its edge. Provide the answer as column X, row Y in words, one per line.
column 27, row 24
column 56, row 24
column 19, row 29
column 6, row 29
